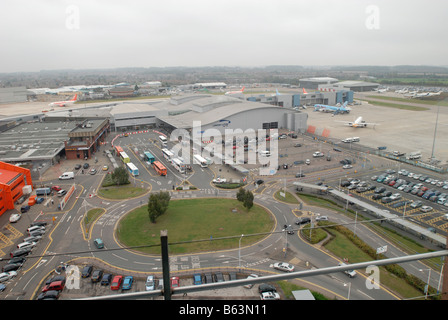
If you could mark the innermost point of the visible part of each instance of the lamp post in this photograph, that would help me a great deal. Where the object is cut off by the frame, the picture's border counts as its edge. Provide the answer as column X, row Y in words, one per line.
column 427, row 284
column 239, row 252
column 349, row 289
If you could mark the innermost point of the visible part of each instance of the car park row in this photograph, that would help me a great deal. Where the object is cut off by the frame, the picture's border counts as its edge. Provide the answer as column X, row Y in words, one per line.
column 425, row 193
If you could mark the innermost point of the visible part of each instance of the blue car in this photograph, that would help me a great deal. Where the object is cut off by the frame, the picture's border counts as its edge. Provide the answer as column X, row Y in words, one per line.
column 197, row 279
column 127, row 283
column 39, row 200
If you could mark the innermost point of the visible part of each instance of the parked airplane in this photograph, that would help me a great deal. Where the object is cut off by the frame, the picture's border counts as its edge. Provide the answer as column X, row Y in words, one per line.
column 381, row 90
column 403, row 91
column 235, row 92
column 64, row 103
column 334, row 109
column 358, row 123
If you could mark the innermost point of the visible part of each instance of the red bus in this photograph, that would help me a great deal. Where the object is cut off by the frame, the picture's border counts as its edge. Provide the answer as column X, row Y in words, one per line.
column 118, row 150
column 159, row 167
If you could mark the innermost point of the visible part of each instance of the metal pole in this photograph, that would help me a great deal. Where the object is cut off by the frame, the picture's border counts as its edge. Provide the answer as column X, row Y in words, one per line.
column 165, row 264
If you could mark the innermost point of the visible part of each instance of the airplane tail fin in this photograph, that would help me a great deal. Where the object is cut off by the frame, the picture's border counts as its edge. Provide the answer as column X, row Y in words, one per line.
column 304, row 91
column 75, row 97
column 242, row 90
column 345, row 104
column 276, row 91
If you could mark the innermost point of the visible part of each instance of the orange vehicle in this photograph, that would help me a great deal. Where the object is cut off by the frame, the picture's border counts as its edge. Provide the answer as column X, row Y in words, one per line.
column 159, row 167
column 32, row 201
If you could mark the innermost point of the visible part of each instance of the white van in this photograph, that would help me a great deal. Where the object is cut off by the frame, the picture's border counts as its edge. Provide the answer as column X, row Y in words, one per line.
column 355, row 139
column 26, row 245
column 67, row 175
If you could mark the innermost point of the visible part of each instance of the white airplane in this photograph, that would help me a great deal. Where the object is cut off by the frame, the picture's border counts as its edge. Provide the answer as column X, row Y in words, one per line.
column 64, row 103
column 381, row 90
column 402, row 91
column 235, row 92
column 358, row 123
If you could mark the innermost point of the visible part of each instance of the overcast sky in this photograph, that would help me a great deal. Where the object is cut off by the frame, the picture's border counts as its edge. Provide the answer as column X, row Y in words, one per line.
column 86, row 34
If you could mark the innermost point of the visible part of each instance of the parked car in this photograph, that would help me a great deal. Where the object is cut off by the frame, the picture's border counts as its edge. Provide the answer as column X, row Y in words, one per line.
column 97, row 275
column 87, row 271
column 425, row 209
column 174, row 282
column 149, row 285
column 197, row 279
column 77, row 167
column 92, row 171
column 86, row 165
column 62, row 193
column 264, row 287
column 116, row 282
column 106, row 279
column 25, row 209
column 14, row 217
column 269, row 296
column 127, row 283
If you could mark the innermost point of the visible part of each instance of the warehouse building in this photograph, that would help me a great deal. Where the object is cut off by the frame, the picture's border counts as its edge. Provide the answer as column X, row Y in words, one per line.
column 314, row 83
column 13, row 95
column 224, row 112
column 356, row 86
column 12, row 181
column 327, row 97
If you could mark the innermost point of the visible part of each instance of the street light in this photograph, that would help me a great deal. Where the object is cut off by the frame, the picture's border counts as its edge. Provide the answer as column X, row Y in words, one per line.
column 427, row 284
column 239, row 252
column 349, row 288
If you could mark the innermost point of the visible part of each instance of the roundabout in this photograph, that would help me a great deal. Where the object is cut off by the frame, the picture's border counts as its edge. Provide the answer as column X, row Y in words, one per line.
column 196, row 225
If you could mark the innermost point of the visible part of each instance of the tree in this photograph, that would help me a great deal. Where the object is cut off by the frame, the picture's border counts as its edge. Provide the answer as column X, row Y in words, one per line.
column 158, row 204
column 120, row 176
column 248, row 200
column 241, row 194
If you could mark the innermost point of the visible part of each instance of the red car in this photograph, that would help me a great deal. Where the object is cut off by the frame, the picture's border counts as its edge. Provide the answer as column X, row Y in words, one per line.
column 116, row 282
column 56, row 188
column 174, row 282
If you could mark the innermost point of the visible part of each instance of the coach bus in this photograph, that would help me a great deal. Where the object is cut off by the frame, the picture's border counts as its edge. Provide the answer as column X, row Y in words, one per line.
column 124, row 157
column 118, row 150
column 159, row 167
column 149, row 157
column 132, row 168
column 167, row 154
column 163, row 139
column 178, row 164
column 200, row 160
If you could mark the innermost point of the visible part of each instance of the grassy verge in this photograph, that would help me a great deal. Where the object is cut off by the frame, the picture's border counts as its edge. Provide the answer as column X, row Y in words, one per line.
column 90, row 217
column 121, row 192
column 188, row 221
column 289, row 198
column 395, row 105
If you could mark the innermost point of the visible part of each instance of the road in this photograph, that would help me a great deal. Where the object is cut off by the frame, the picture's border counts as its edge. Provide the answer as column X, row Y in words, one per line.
column 67, row 240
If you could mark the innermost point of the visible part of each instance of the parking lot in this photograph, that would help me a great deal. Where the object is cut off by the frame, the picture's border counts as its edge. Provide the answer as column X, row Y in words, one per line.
column 420, row 197
column 79, row 286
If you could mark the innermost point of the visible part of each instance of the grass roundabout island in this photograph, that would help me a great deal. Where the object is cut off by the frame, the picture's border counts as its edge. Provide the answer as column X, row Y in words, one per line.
column 190, row 220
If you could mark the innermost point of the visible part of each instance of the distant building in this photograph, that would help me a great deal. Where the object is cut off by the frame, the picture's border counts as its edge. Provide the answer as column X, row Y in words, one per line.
column 314, row 83
column 12, row 181
column 210, row 85
column 356, row 86
column 121, row 91
column 13, row 95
